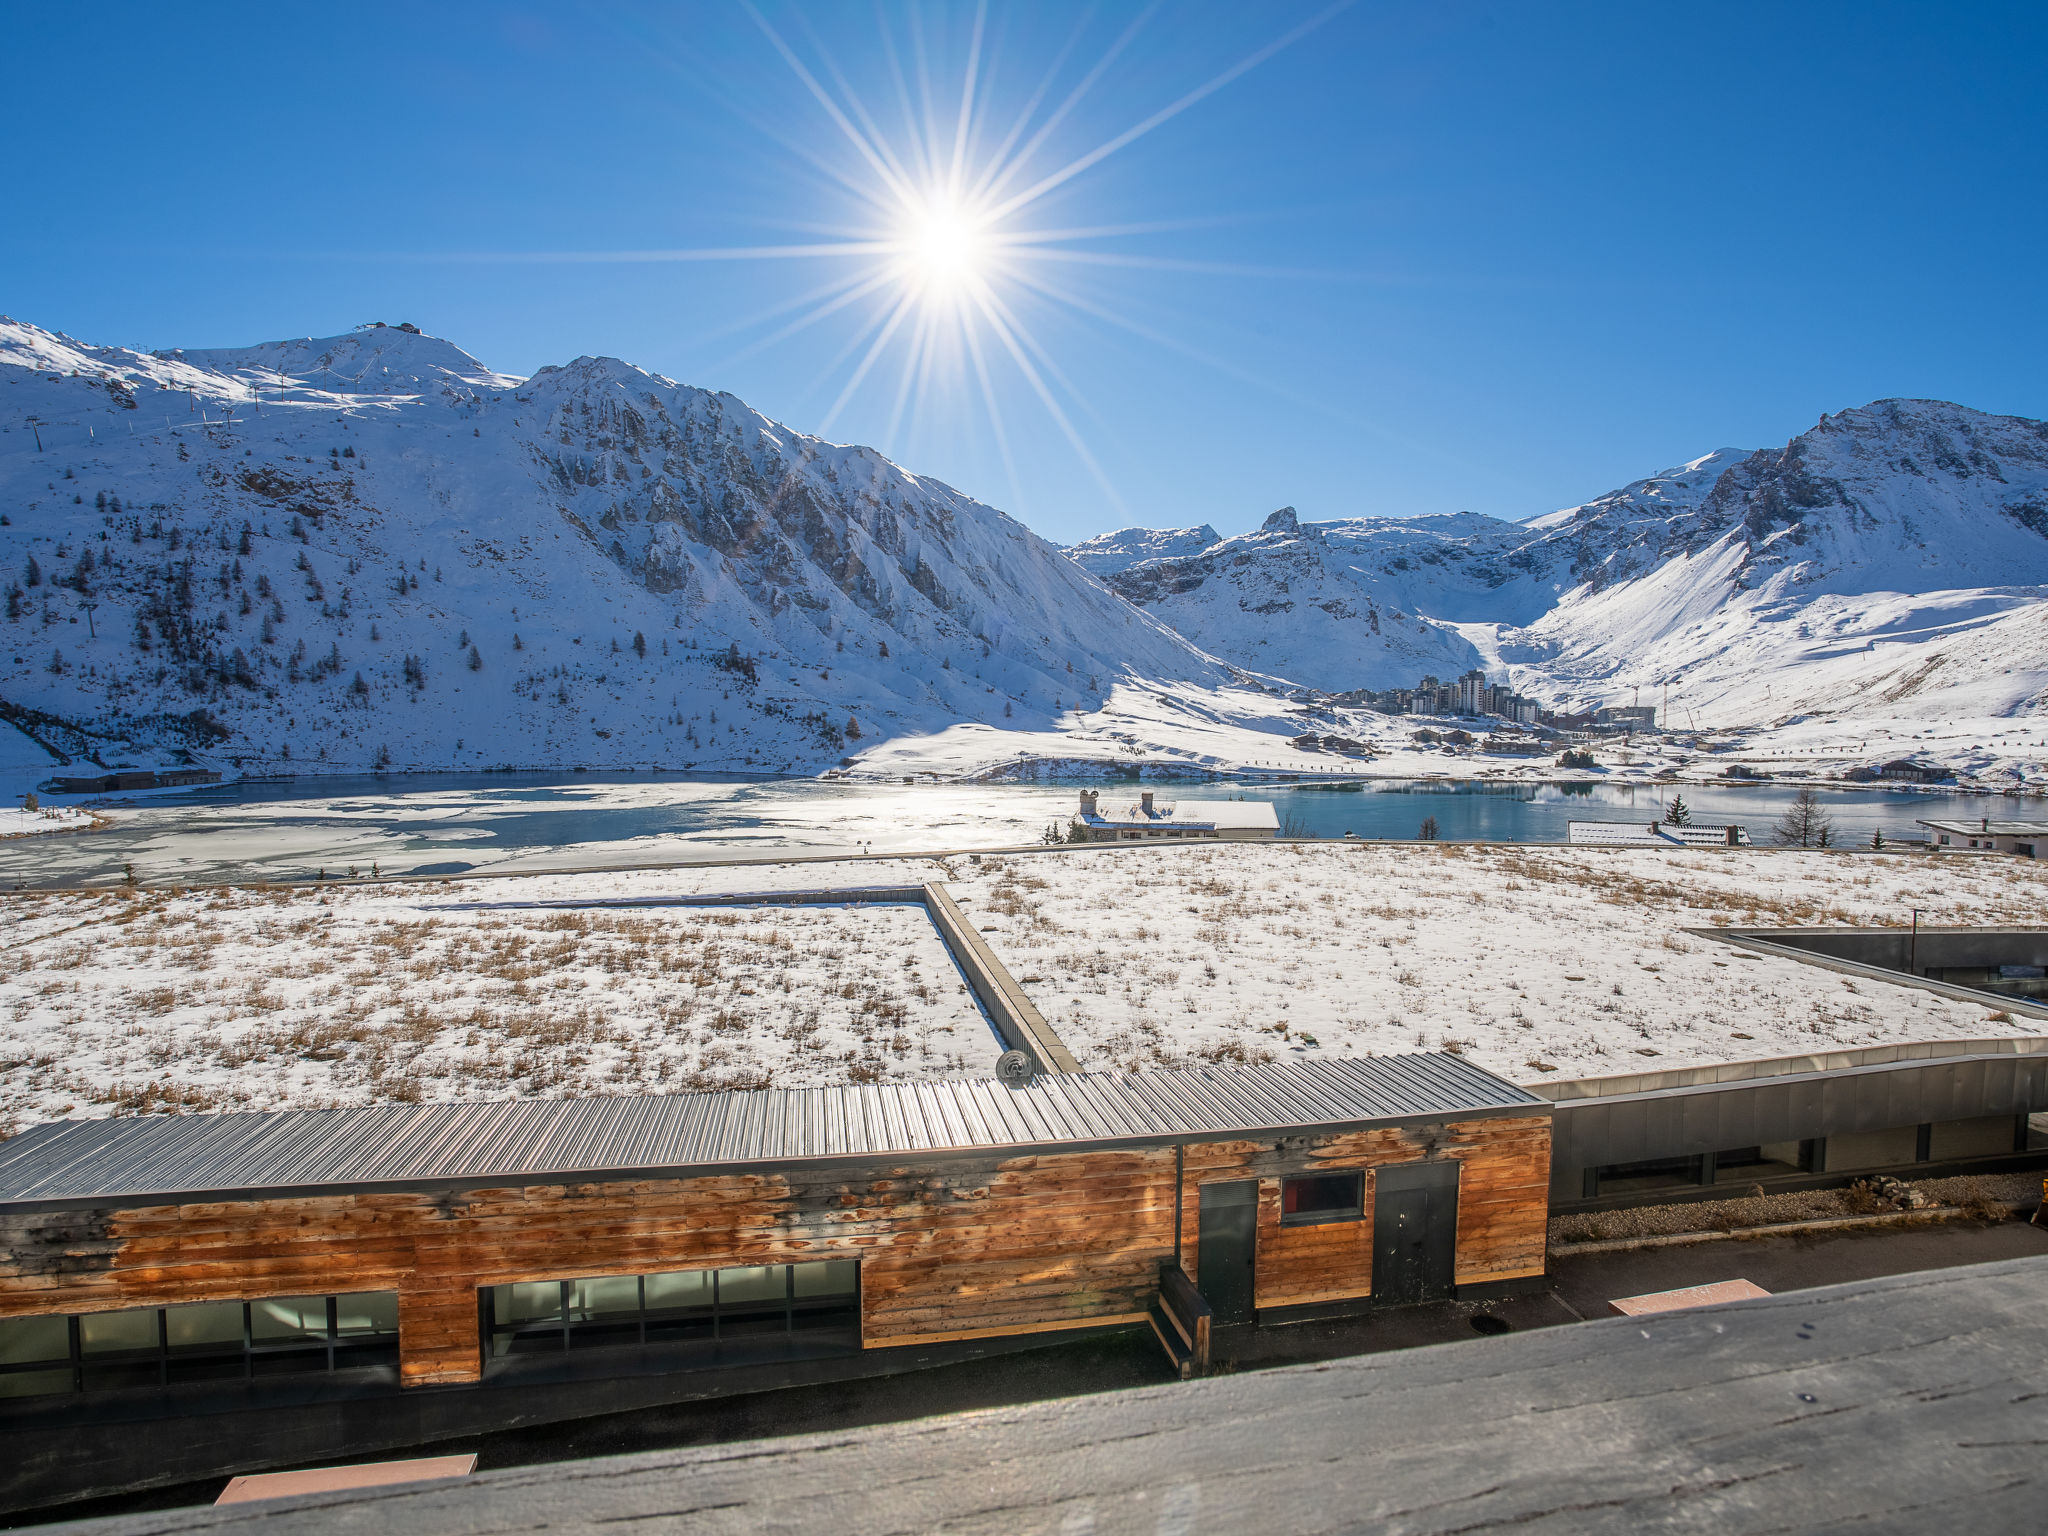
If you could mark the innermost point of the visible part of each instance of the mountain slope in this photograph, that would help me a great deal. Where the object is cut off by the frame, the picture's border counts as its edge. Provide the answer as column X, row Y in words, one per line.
column 1880, row 578
column 1841, row 575
column 342, row 551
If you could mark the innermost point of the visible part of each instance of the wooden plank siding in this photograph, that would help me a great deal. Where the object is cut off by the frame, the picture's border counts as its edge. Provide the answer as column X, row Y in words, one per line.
column 954, row 1246
column 949, row 1249
column 1503, row 1203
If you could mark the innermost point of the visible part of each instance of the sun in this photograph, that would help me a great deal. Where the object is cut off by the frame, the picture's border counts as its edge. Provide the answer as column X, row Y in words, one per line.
column 946, row 249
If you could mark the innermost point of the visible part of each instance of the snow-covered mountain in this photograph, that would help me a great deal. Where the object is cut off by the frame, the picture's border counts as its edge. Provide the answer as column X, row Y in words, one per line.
column 371, row 548
column 1108, row 553
column 1892, row 562
column 1335, row 605
column 336, row 553
column 1883, row 576
column 1376, row 602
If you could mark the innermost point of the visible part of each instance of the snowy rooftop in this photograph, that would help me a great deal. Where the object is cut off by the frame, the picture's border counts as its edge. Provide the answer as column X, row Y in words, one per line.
column 1981, row 827
column 1187, row 815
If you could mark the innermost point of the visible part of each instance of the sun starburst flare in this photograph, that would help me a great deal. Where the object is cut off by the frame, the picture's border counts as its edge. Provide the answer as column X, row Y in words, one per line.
column 944, row 260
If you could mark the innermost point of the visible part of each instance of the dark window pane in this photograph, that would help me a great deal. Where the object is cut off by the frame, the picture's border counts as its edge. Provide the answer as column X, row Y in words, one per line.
column 837, row 1277
column 286, row 1319
column 759, row 1282
column 1323, row 1196
column 600, row 1335
column 831, row 1312
column 110, row 1375
column 212, row 1327
column 26, row 1339
column 281, row 1362
column 34, row 1383
column 680, row 1290
column 348, row 1357
column 539, row 1342
column 1652, row 1173
column 367, row 1314
column 117, row 1333
column 681, row 1326
column 207, row 1367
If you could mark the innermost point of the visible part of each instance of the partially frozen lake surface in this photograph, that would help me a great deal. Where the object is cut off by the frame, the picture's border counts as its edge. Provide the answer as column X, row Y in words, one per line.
column 504, row 823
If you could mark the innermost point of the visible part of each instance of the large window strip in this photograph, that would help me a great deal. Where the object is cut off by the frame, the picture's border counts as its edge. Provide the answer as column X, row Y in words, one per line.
column 202, row 1341
column 710, row 1306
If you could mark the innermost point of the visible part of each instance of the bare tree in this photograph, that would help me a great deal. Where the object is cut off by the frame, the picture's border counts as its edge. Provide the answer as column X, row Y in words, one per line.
column 1428, row 830
column 1805, row 824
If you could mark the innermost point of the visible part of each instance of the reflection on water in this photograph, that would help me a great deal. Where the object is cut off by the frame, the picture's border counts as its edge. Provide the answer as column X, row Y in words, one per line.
column 453, row 823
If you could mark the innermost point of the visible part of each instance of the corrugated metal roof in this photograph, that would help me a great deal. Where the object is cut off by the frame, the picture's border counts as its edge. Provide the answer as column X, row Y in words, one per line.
column 399, row 1145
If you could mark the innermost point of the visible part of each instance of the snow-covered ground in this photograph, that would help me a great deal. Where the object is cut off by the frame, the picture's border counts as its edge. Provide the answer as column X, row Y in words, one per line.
column 139, row 1001
column 19, row 821
column 1530, row 961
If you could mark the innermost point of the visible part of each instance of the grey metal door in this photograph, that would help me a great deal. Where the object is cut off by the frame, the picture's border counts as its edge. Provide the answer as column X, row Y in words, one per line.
column 1414, row 1232
column 1224, row 1252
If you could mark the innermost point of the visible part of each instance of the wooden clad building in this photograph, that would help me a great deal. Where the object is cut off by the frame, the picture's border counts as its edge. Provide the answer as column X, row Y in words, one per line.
column 445, row 1244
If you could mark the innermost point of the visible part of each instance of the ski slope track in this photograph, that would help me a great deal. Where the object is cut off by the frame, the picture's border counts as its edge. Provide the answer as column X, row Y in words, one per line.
column 333, row 554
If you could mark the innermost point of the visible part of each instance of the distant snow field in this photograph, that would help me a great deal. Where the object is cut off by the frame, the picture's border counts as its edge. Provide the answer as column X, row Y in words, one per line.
column 19, row 821
column 1533, row 962
column 119, row 1003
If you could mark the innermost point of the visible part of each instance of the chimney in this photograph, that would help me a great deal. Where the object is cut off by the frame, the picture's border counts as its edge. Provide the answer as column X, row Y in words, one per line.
column 1087, row 802
column 1145, row 800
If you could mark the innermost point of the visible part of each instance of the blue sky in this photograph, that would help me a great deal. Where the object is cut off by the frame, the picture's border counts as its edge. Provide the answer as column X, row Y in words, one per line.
column 1423, row 258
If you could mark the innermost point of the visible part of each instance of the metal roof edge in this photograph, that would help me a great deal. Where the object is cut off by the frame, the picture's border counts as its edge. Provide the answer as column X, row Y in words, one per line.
column 443, row 1183
column 1782, row 1079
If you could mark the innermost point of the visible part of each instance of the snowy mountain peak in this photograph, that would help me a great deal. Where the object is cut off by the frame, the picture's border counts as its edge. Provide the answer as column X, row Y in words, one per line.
column 597, row 372
column 1108, row 553
column 1671, row 490
column 375, row 359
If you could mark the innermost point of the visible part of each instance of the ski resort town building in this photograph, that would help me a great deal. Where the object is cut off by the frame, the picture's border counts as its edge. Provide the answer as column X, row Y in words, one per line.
column 1655, row 834
column 1233, row 820
column 2024, row 838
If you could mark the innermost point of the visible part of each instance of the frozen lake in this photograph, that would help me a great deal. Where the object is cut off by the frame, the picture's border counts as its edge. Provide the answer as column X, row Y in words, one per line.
column 504, row 823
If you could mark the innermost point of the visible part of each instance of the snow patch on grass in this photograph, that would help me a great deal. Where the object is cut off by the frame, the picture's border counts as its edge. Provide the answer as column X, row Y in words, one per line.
column 277, row 998
column 1533, row 962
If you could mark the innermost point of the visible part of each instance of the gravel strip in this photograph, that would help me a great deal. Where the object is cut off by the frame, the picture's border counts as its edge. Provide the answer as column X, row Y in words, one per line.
column 2006, row 1190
